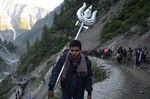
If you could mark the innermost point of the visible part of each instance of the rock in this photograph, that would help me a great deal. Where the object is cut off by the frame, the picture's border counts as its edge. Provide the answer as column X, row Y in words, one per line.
column 141, row 92
column 135, row 28
column 148, row 21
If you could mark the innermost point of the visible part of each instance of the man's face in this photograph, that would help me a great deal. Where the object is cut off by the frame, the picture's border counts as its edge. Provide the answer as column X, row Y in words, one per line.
column 75, row 52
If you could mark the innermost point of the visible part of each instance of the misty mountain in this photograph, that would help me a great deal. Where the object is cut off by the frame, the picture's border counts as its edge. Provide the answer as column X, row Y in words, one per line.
column 20, row 23
column 17, row 19
column 35, row 32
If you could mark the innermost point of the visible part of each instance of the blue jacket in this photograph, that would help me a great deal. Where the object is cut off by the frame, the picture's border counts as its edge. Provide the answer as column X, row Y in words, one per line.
column 74, row 84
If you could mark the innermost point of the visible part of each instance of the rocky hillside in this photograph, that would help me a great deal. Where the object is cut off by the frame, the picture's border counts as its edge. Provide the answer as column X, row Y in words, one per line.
column 17, row 19
column 135, row 36
column 118, row 23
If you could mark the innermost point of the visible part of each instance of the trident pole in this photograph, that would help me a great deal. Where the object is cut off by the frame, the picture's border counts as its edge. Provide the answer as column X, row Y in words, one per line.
column 79, row 31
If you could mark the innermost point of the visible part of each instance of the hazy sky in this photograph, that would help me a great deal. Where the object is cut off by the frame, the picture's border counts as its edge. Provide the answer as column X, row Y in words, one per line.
column 49, row 4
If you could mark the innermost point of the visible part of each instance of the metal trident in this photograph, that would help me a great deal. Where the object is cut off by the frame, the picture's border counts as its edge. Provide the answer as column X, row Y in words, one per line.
column 86, row 18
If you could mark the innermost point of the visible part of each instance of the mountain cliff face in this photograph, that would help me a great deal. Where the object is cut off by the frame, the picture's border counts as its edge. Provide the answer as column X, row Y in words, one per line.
column 36, row 30
column 21, row 23
column 16, row 19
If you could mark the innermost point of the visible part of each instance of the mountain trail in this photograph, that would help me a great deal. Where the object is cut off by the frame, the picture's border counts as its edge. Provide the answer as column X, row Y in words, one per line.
column 123, row 82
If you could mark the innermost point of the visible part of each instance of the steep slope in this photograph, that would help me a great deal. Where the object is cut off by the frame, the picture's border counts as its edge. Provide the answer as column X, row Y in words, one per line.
column 13, row 18
column 16, row 21
column 132, row 38
column 37, row 29
column 92, row 36
column 18, row 18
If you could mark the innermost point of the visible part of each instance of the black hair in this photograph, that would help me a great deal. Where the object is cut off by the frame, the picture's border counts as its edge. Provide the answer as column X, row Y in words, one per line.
column 75, row 43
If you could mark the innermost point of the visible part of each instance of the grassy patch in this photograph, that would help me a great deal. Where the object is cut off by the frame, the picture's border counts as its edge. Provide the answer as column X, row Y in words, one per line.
column 134, row 12
column 98, row 73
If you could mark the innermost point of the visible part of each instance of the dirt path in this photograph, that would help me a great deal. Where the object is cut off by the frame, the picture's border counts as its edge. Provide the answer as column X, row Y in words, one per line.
column 136, row 83
column 123, row 82
column 42, row 93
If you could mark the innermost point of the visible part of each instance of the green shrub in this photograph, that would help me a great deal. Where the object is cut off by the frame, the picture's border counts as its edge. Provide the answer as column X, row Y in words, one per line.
column 98, row 74
column 134, row 12
column 147, row 7
column 141, row 3
column 5, row 87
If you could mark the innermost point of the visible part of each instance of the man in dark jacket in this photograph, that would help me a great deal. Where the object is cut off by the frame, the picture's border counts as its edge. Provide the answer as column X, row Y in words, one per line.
column 138, row 55
column 120, row 50
column 76, row 76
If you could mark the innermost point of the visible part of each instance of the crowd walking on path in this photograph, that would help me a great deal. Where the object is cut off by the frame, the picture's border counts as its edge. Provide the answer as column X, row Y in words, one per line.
column 123, row 55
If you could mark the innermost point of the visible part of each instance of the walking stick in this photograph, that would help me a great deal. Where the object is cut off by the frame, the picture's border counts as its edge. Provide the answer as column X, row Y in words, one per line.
column 84, row 19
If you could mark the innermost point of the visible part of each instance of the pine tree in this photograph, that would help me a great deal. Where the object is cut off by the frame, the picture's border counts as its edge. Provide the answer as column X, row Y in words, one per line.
column 45, row 40
column 28, row 46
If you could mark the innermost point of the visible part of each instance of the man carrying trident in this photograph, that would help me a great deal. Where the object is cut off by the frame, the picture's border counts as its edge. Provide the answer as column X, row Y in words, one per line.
column 74, row 71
